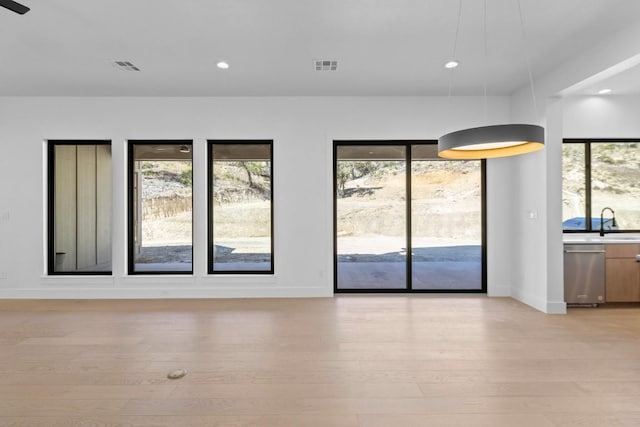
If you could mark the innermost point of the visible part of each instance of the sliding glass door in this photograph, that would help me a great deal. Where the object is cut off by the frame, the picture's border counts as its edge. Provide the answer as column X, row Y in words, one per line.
column 371, row 230
column 446, row 225
column 406, row 220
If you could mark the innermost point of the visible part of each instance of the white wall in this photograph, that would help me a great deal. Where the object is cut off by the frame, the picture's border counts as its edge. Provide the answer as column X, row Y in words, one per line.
column 535, row 195
column 501, row 244
column 302, row 129
column 602, row 117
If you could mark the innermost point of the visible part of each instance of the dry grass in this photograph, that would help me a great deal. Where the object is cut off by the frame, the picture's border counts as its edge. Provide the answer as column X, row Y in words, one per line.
column 445, row 204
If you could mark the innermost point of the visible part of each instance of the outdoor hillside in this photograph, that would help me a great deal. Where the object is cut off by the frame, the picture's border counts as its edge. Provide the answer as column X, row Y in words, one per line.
column 615, row 181
column 371, row 200
column 241, row 194
column 445, row 199
column 173, row 179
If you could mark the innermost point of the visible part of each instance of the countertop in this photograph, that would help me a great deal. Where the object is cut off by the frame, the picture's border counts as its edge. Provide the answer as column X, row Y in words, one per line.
column 594, row 238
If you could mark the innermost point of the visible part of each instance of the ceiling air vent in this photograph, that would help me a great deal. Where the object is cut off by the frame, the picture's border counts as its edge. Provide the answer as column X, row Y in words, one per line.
column 325, row 65
column 126, row 66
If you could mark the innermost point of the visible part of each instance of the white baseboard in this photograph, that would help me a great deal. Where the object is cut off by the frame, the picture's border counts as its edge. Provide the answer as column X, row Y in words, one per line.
column 159, row 293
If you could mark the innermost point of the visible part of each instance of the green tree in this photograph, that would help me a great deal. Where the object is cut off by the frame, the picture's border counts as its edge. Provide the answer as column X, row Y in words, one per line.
column 345, row 171
column 186, row 177
column 254, row 169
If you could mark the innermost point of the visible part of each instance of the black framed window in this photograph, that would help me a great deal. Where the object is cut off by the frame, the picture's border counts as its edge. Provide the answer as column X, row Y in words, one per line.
column 598, row 174
column 407, row 220
column 160, row 205
column 79, row 207
column 240, row 188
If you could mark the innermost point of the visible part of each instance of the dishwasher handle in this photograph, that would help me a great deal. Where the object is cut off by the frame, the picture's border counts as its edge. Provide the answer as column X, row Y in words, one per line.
column 571, row 251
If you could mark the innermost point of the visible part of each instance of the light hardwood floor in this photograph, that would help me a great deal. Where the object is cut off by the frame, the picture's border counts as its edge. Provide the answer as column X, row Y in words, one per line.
column 348, row 361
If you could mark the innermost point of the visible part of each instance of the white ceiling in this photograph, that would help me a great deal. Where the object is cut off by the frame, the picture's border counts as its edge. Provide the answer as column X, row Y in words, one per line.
column 384, row 47
column 626, row 82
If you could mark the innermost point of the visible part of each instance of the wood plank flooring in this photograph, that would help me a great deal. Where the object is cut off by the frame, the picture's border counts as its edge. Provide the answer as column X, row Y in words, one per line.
column 348, row 361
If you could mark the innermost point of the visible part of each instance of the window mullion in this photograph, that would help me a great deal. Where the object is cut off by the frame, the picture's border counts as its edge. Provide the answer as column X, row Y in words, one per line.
column 587, row 189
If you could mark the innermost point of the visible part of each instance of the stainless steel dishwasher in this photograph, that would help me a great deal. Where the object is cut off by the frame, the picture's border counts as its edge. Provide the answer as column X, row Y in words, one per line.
column 584, row 274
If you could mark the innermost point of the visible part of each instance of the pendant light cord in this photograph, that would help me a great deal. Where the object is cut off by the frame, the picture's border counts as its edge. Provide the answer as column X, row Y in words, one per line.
column 526, row 58
column 455, row 48
column 486, row 68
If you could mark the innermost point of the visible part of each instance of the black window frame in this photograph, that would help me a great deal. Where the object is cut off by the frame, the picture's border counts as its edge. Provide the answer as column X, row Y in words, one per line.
column 51, row 251
column 210, row 206
column 130, row 211
column 587, row 184
column 409, row 267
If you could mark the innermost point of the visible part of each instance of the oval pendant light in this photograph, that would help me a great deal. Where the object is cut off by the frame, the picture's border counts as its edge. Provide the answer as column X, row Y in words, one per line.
column 487, row 142
column 495, row 140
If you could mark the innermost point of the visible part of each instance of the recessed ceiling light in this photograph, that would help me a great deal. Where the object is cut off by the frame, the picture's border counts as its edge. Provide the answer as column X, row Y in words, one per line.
column 451, row 64
column 604, row 91
column 223, row 65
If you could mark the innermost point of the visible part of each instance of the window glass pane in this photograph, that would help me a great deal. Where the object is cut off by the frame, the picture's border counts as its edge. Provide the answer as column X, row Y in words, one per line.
column 615, row 183
column 371, row 223
column 81, row 208
column 241, row 195
column 161, row 207
column 573, row 187
column 446, row 222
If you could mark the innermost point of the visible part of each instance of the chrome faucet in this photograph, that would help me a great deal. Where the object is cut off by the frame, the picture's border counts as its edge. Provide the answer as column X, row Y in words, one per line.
column 613, row 218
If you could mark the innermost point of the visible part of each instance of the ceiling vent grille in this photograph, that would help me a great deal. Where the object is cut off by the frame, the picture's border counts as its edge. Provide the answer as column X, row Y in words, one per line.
column 325, row 65
column 126, row 66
